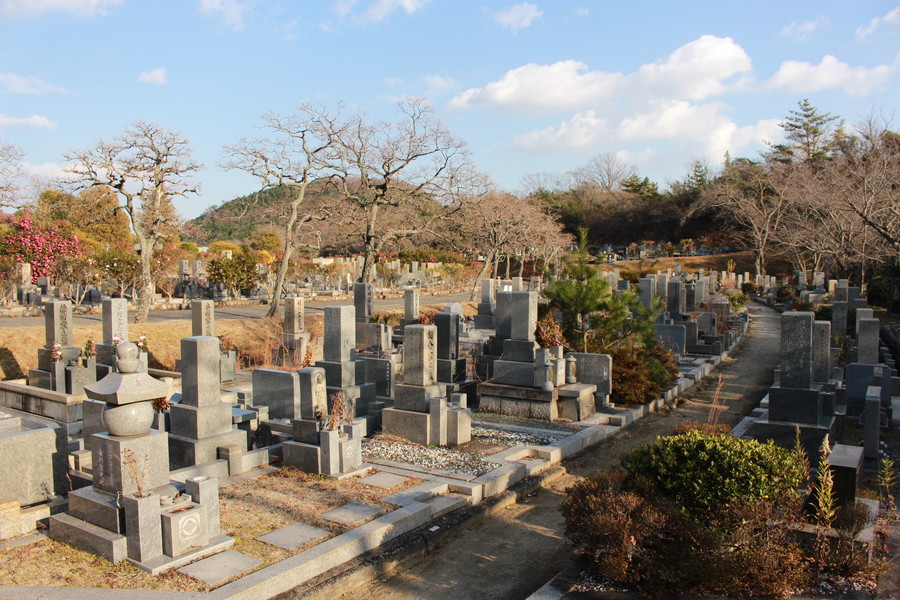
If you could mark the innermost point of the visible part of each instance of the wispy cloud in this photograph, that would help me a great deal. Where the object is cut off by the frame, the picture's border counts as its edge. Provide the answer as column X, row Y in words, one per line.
column 16, row 84
column 518, row 16
column 892, row 18
column 32, row 122
column 381, row 10
column 229, row 12
column 802, row 30
column 156, row 77
column 35, row 8
column 438, row 85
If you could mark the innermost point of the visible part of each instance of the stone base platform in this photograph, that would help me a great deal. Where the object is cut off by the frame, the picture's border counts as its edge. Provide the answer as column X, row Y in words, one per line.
column 518, row 401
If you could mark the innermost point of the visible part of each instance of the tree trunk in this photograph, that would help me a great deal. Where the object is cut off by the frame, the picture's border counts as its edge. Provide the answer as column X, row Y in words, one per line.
column 145, row 282
column 481, row 275
column 760, row 262
column 279, row 280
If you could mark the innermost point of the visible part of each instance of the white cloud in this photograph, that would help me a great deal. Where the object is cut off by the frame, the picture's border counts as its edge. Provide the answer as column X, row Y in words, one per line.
column 518, row 16
column 46, row 172
column 701, row 129
column 697, row 70
column 230, row 12
column 156, row 77
column 584, row 130
column 535, row 88
column 438, row 85
column 892, row 18
column 803, row 30
column 582, row 12
column 16, row 84
column 795, row 76
column 380, row 10
column 34, row 8
column 32, row 122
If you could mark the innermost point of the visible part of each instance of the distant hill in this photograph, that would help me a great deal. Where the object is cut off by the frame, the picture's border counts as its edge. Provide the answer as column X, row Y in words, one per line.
column 236, row 219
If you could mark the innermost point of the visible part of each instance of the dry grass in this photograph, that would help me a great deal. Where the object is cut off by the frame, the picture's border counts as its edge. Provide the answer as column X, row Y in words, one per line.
column 744, row 261
column 248, row 509
column 258, row 506
column 255, row 339
column 50, row 563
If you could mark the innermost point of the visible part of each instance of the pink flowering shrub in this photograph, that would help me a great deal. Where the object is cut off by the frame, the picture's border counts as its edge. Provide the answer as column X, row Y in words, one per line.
column 40, row 246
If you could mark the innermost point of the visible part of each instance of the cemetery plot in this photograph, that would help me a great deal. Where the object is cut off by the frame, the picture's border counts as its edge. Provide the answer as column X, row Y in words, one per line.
column 262, row 505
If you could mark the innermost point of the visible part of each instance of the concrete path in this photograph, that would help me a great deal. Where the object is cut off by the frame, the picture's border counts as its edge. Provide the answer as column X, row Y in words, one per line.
column 509, row 555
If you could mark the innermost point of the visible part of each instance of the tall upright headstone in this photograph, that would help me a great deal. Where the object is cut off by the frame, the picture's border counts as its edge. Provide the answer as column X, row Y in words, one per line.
column 839, row 312
column 203, row 318
column 796, row 349
column 200, row 423
column 411, row 307
column 420, row 412
column 362, row 301
column 867, row 341
column 821, row 351
column 115, row 329
column 342, row 370
column 450, row 367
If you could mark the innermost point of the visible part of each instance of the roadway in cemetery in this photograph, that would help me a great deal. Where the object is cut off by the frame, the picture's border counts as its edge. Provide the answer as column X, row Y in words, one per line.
column 256, row 311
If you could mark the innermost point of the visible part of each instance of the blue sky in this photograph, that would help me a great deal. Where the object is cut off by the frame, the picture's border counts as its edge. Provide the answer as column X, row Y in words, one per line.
column 537, row 86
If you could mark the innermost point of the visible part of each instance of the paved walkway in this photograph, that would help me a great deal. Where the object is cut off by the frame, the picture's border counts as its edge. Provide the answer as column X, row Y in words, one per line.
column 509, row 555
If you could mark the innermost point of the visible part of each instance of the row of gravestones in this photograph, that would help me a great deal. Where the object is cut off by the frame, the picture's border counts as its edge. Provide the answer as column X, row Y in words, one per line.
column 814, row 396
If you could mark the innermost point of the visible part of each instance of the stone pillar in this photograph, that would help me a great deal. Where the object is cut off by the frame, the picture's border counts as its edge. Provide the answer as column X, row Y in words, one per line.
column 796, row 349
column 362, row 301
column 203, row 318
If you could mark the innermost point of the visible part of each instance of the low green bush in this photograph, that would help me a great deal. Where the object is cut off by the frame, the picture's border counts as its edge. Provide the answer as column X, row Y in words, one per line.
column 749, row 287
column 699, row 471
column 738, row 300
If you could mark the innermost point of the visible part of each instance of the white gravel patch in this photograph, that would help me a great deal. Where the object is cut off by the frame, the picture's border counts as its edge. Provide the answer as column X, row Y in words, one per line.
column 510, row 438
column 428, row 456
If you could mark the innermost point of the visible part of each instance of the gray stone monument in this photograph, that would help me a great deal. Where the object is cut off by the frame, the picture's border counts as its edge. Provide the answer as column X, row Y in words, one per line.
column 420, row 413
column 201, row 423
column 131, row 511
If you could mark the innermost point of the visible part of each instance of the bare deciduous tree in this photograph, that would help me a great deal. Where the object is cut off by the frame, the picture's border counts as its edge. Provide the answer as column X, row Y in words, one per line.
column 292, row 158
column 10, row 173
column 414, row 162
column 147, row 166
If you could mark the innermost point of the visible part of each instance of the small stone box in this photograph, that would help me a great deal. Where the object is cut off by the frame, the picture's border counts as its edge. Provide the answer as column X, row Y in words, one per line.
column 184, row 527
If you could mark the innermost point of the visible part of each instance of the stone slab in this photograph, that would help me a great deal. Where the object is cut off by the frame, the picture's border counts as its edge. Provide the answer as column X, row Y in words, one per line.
column 383, row 480
column 294, row 536
column 220, row 567
column 351, row 513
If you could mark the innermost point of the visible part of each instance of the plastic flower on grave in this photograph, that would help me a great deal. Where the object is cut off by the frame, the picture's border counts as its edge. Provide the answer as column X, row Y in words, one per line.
column 56, row 352
column 142, row 343
column 116, row 341
column 90, row 350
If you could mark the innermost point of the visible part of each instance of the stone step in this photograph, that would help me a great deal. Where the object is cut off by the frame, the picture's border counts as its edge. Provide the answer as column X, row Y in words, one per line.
column 86, row 536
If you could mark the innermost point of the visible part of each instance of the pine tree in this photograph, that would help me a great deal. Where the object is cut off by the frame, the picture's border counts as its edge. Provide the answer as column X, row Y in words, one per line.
column 809, row 134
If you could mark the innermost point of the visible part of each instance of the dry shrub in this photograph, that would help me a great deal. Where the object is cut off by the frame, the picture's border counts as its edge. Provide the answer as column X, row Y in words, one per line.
column 426, row 317
column 636, row 537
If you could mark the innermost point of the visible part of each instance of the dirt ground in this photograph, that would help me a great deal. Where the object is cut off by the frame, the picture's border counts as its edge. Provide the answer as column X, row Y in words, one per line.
column 510, row 555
